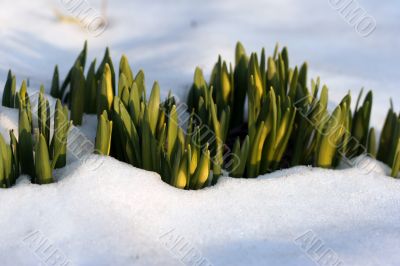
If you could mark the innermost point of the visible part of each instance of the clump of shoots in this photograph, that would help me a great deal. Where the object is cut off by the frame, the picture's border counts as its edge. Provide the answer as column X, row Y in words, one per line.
column 287, row 123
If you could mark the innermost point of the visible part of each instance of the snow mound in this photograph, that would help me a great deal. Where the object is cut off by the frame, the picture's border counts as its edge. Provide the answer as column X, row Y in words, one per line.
column 105, row 212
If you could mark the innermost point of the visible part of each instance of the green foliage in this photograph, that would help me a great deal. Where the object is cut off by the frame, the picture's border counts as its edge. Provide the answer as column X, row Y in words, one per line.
column 35, row 153
column 309, row 123
column 333, row 135
column 78, row 91
column 103, row 135
column 124, row 68
column 34, row 158
column 239, row 82
column 371, row 143
column 240, row 154
column 43, row 169
column 8, row 169
column 91, row 90
column 77, row 95
column 55, row 84
column 49, row 153
column 271, row 113
column 44, row 116
column 213, row 118
column 288, row 122
column 100, row 71
column 360, row 129
column 389, row 144
column 9, row 93
column 147, row 134
column 80, row 62
column 58, row 148
column 25, row 145
column 106, row 93
column 396, row 161
column 15, row 156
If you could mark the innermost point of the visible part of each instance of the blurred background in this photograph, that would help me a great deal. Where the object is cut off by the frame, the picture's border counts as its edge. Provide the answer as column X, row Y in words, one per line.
column 349, row 44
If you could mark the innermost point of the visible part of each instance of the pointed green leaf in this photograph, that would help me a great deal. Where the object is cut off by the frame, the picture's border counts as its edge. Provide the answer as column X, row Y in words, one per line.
column 42, row 162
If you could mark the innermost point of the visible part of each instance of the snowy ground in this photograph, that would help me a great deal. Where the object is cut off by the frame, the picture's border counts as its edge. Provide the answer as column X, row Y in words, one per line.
column 104, row 212
column 119, row 215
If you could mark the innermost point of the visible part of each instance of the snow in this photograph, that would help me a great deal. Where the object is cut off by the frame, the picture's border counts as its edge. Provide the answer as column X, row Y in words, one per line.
column 115, row 214
column 104, row 212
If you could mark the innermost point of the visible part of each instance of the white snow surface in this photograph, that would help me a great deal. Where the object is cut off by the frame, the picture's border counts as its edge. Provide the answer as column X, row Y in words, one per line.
column 105, row 212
